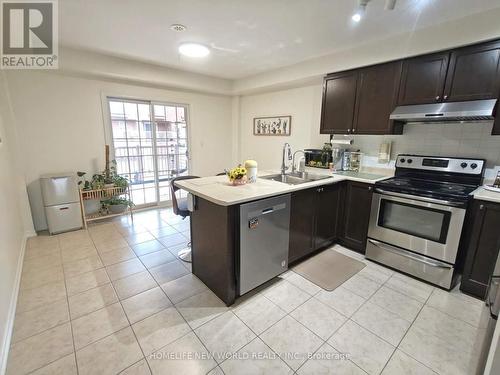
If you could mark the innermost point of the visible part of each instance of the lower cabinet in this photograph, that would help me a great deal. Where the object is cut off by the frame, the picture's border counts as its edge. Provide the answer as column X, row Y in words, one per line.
column 482, row 244
column 314, row 219
column 301, row 224
column 357, row 199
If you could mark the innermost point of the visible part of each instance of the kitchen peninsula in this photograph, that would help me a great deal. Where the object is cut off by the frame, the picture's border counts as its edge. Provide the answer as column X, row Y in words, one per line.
column 314, row 222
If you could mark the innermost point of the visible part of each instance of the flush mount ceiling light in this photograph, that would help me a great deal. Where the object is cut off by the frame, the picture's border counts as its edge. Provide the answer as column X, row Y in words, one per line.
column 193, row 50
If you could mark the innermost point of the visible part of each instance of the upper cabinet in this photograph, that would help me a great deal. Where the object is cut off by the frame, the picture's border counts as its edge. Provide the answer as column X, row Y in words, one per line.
column 360, row 101
column 339, row 95
column 468, row 73
column 423, row 79
column 473, row 73
column 376, row 95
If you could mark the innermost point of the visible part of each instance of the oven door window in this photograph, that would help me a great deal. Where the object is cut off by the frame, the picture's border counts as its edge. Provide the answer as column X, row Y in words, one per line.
column 424, row 222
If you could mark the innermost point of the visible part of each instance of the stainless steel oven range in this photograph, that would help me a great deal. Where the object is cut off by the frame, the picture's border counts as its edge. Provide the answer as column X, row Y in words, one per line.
column 417, row 216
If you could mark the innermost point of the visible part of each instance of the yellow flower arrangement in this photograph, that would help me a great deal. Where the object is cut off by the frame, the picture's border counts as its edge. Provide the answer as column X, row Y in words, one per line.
column 237, row 173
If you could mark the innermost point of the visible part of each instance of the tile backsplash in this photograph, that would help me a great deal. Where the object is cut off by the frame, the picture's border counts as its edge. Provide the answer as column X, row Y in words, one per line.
column 471, row 139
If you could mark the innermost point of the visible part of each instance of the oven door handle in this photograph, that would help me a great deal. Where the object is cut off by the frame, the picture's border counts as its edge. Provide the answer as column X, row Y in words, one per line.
column 419, row 198
column 409, row 255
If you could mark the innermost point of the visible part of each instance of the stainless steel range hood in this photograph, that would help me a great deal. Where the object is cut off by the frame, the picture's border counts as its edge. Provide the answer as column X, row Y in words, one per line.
column 475, row 110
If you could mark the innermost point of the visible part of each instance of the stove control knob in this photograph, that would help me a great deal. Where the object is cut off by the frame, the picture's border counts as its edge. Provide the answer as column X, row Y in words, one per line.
column 410, row 161
column 473, row 165
column 402, row 160
column 464, row 165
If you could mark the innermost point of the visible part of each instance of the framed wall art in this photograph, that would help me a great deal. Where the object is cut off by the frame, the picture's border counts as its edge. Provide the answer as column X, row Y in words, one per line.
column 275, row 125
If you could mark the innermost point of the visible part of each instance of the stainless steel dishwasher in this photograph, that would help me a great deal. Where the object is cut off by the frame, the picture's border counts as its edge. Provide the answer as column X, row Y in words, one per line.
column 264, row 237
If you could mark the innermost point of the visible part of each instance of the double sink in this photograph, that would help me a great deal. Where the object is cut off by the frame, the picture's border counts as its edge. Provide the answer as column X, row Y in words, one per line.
column 295, row 178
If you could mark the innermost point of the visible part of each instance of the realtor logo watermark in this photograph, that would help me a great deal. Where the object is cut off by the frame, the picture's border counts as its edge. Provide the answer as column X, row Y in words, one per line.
column 29, row 34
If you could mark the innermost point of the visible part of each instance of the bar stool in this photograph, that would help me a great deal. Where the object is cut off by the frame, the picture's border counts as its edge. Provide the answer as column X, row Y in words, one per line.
column 180, row 207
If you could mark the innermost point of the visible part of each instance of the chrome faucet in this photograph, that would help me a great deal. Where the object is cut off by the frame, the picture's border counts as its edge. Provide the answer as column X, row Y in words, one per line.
column 294, row 168
column 286, row 149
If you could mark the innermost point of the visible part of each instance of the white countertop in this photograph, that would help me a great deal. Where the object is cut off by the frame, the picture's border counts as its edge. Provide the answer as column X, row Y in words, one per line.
column 218, row 190
column 486, row 195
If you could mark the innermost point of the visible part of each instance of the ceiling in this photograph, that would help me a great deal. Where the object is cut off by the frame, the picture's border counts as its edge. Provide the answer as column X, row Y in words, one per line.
column 247, row 37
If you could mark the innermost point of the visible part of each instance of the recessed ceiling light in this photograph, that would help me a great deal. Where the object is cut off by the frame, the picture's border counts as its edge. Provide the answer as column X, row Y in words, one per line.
column 193, row 50
column 356, row 17
column 178, row 27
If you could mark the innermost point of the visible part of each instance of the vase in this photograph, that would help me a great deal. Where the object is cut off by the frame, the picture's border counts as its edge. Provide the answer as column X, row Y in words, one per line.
column 239, row 181
column 117, row 208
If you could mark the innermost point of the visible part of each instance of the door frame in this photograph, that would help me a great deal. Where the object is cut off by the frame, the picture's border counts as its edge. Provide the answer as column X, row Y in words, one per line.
column 108, row 133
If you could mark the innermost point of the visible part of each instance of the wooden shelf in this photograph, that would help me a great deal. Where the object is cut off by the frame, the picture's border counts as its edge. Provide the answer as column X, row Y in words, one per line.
column 103, row 194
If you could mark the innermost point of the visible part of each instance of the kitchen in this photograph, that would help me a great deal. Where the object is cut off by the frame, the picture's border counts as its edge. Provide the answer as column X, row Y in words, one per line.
column 380, row 268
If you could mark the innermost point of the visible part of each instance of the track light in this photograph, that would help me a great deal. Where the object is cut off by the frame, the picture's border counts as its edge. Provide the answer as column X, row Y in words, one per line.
column 390, row 4
column 360, row 10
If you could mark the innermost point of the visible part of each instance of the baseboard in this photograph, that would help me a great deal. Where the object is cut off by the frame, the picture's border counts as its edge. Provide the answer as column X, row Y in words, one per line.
column 4, row 350
column 30, row 233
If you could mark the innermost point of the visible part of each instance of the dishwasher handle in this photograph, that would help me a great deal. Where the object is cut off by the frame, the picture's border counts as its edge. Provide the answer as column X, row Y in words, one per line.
column 266, row 211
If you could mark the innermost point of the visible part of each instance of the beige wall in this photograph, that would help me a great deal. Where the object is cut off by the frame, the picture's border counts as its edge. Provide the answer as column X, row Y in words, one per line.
column 303, row 104
column 61, row 123
column 14, row 220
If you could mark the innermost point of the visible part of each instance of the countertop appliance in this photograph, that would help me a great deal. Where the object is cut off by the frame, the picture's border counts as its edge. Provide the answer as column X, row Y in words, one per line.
column 486, row 341
column 417, row 217
column 472, row 110
column 62, row 202
column 317, row 158
column 264, row 232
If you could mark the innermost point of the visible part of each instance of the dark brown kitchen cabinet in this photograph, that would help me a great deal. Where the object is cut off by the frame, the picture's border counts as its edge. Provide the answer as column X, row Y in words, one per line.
column 423, row 79
column 301, row 224
column 482, row 244
column 473, row 73
column 377, row 93
column 339, row 96
column 357, row 199
column 496, row 126
column 327, row 215
column 314, row 219
column 468, row 73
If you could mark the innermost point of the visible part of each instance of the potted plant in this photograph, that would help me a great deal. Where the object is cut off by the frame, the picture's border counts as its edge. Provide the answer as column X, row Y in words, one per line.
column 117, row 205
column 84, row 184
column 98, row 181
column 120, row 181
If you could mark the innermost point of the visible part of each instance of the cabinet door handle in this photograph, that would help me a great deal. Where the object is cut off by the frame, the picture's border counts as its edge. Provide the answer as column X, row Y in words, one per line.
column 481, row 207
column 348, row 130
column 370, row 188
column 353, row 130
column 437, row 97
column 445, row 97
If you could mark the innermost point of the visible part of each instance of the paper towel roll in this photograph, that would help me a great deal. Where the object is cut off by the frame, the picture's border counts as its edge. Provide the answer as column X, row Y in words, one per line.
column 345, row 141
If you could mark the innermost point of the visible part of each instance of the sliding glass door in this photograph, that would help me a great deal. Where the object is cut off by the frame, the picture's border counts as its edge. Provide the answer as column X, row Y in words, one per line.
column 150, row 146
column 171, row 145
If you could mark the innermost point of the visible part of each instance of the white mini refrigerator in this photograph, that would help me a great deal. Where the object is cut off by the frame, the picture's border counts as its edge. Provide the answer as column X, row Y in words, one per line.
column 62, row 202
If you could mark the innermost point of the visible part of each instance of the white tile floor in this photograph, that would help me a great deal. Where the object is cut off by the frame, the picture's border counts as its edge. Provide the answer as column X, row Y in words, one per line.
column 114, row 299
